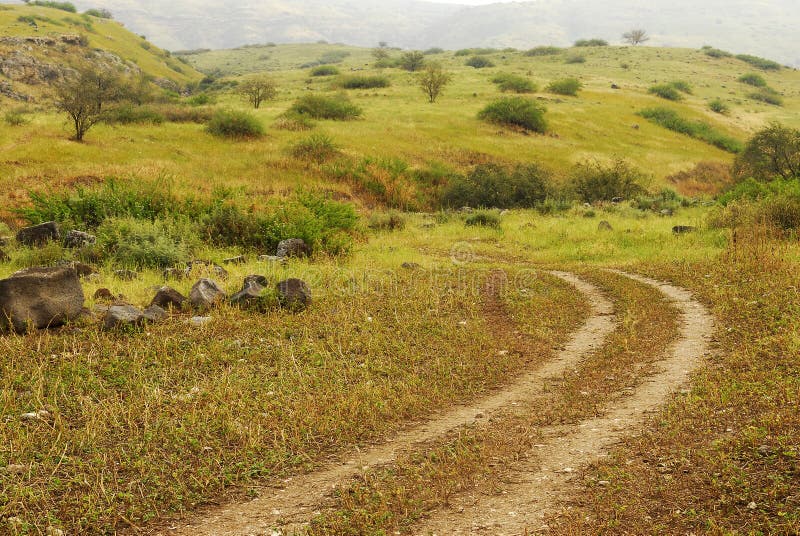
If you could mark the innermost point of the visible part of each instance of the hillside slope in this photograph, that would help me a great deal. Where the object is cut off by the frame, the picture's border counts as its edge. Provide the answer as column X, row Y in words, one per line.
column 37, row 44
column 762, row 28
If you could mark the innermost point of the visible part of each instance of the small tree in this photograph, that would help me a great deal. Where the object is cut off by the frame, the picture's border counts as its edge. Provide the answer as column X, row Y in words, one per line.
column 773, row 152
column 412, row 61
column 83, row 97
column 258, row 89
column 380, row 54
column 433, row 80
column 636, row 37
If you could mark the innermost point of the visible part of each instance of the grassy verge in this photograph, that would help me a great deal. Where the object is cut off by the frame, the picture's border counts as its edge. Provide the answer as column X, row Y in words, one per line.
column 143, row 425
column 393, row 498
column 725, row 458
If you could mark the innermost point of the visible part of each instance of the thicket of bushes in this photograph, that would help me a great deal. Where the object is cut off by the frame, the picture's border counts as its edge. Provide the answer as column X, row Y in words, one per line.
column 362, row 82
column 515, row 83
column 324, row 70
column 594, row 181
column 591, row 43
column 497, row 186
column 517, row 112
column 235, row 124
column 567, row 86
column 671, row 120
column 543, row 51
column 146, row 225
column 479, row 62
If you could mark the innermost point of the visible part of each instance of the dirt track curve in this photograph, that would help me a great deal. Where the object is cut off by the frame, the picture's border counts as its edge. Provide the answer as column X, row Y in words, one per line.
column 541, row 482
column 295, row 504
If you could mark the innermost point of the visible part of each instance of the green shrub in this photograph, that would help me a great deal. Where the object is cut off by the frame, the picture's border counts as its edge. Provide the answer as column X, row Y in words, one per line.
column 413, row 60
column 670, row 119
column 479, row 62
column 575, row 59
column 433, row 51
column 767, row 96
column 176, row 113
column 716, row 53
column 475, row 52
column 514, row 83
column 682, row 86
column 593, row 181
column 99, row 13
column 753, row 79
column 130, row 114
column 318, row 148
column 483, row 218
column 718, row 106
column 543, row 51
column 772, row 152
column 201, row 99
column 591, row 43
column 783, row 212
column 362, row 82
column 386, row 221
column 496, row 186
column 294, row 122
column 235, row 124
column 567, row 86
column 324, row 70
column 760, row 63
column 49, row 254
column 338, row 108
column 666, row 91
column 517, row 112
column 63, row 6
column 752, row 189
column 17, row 117
column 137, row 243
column 666, row 199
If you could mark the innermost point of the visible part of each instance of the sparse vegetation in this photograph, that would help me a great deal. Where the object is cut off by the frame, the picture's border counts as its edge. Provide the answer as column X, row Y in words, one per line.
column 362, row 82
column 517, row 112
column 753, row 79
column 575, row 59
column 567, row 86
column 62, row 6
column 337, row 108
column 234, row 124
column 513, row 83
column 591, row 43
column 318, row 148
column 433, row 81
column 760, row 63
column 767, row 96
column 666, row 91
column 719, row 106
column 543, row 51
column 716, row 53
column 324, row 70
column 671, row 120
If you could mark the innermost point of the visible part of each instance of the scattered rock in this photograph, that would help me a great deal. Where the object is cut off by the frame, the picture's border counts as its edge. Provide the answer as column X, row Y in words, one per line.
column 293, row 294
column 466, row 210
column 683, row 229
column 635, row 126
column 4, row 256
column 38, row 235
column 53, row 531
column 200, row 321
column 83, row 270
column 154, row 314
column 271, row 258
column 174, row 273
column 604, row 226
column 292, row 248
column 615, row 86
column 78, row 239
column 103, row 294
column 410, row 266
column 41, row 415
column 168, row 298
column 41, row 297
column 5, row 241
column 205, row 294
column 765, row 450
column 120, row 316
column 667, row 212
column 258, row 279
column 241, row 259
column 126, row 275
column 14, row 469
column 616, row 200
column 250, row 297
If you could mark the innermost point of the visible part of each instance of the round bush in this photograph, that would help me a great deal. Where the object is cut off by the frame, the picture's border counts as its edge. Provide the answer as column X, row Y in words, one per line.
column 516, row 111
column 338, row 108
column 567, row 86
column 479, row 62
column 235, row 125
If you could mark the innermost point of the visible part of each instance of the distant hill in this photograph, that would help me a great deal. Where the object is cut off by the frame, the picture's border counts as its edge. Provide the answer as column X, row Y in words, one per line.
column 38, row 45
column 765, row 28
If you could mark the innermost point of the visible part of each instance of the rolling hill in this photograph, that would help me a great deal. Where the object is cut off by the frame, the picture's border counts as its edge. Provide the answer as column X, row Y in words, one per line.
column 765, row 28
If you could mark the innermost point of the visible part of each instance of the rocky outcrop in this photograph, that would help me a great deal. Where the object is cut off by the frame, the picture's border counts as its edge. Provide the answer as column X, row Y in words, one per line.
column 40, row 297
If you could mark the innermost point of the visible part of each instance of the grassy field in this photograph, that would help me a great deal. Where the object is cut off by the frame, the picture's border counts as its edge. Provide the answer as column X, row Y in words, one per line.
column 148, row 425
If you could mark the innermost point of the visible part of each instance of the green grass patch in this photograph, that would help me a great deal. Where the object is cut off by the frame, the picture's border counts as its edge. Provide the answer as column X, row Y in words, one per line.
column 670, row 119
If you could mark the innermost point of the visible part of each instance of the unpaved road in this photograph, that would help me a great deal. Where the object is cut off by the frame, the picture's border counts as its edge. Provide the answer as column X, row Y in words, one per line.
column 542, row 481
column 295, row 504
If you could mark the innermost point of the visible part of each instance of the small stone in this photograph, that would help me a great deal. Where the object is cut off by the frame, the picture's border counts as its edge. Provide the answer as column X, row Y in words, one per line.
column 410, row 266
column 199, row 321
column 765, row 450
column 154, row 314
column 604, row 226
column 271, row 258
column 603, row 483
column 14, row 469
column 257, row 279
column 205, row 294
column 168, row 298
column 38, row 235
column 78, row 239
column 52, row 531
column 126, row 275
column 103, row 294
column 752, row 506
column 41, row 415
column 293, row 294
column 666, row 212
column 120, row 316
column 683, row 229
column 241, row 259
column 83, row 270
column 616, row 200
column 174, row 273
column 292, row 248
column 5, row 241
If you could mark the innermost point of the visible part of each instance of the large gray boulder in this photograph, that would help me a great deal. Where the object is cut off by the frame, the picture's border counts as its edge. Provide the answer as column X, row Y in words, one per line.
column 293, row 247
column 206, row 294
column 40, row 297
column 293, row 294
column 38, row 235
